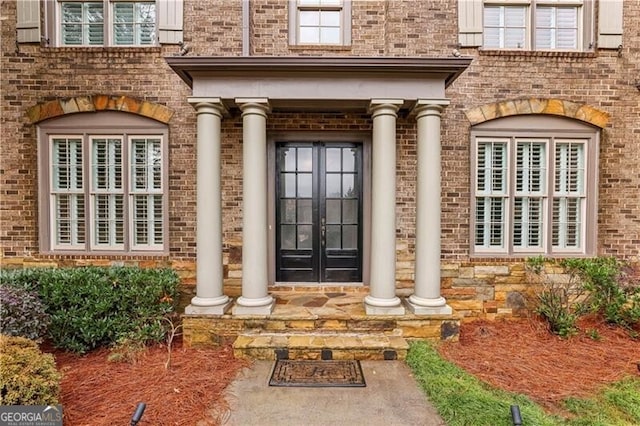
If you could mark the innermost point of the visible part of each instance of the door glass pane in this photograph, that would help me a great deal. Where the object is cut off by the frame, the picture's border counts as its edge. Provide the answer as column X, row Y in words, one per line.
column 348, row 187
column 305, row 238
column 304, row 185
column 304, row 211
column 333, row 236
column 288, row 159
column 350, row 208
column 305, row 162
column 288, row 211
column 288, row 185
column 333, row 159
column 333, row 185
column 350, row 236
column 349, row 159
column 333, row 211
column 288, row 236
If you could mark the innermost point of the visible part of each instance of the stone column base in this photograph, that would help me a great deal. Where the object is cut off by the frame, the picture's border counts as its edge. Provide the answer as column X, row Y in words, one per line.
column 377, row 306
column 428, row 310
column 220, row 309
column 253, row 310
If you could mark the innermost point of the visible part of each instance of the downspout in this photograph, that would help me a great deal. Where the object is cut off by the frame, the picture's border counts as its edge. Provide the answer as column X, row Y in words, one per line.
column 246, row 48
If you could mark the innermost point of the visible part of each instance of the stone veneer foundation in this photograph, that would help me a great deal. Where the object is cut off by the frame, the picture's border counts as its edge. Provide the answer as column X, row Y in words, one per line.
column 474, row 289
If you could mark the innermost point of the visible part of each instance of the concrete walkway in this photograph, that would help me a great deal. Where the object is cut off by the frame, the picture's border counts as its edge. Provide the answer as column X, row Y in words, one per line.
column 391, row 397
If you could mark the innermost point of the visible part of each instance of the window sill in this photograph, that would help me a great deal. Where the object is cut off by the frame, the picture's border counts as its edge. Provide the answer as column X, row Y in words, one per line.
column 518, row 257
column 326, row 47
column 75, row 254
column 537, row 53
column 101, row 49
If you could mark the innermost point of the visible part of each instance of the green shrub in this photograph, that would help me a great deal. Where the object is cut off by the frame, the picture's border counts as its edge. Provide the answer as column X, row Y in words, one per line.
column 92, row 306
column 598, row 284
column 612, row 294
column 22, row 313
column 26, row 279
column 27, row 376
column 560, row 301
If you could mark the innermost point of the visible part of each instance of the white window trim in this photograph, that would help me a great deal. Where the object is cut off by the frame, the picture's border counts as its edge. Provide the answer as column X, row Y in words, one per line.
column 585, row 32
column 98, row 125
column 345, row 24
column 588, row 226
column 108, row 34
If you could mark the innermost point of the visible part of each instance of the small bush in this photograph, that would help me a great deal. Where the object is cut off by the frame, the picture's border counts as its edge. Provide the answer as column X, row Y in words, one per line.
column 23, row 313
column 92, row 307
column 561, row 301
column 27, row 376
column 598, row 285
column 26, row 279
column 612, row 294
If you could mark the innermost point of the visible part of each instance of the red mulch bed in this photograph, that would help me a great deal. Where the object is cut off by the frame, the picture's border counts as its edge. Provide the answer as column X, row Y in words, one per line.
column 517, row 355
column 522, row 356
column 96, row 391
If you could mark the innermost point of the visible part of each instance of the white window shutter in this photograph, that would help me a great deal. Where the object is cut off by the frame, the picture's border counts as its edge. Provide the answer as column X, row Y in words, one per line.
column 28, row 21
column 610, row 24
column 170, row 21
column 470, row 22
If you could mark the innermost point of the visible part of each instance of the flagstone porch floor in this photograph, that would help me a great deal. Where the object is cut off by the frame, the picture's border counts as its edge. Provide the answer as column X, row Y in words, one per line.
column 318, row 325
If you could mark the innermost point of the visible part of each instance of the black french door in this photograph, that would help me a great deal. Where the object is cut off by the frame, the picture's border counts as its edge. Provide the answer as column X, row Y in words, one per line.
column 318, row 212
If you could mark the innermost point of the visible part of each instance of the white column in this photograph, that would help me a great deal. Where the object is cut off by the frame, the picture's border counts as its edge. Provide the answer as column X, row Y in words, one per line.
column 209, row 297
column 255, row 299
column 426, row 299
column 382, row 299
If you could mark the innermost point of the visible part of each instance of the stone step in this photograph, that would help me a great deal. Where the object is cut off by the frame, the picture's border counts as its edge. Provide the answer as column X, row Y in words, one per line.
column 316, row 346
column 202, row 330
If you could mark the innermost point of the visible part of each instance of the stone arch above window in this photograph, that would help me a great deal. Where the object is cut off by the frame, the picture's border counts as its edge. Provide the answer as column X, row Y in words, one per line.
column 95, row 103
column 559, row 107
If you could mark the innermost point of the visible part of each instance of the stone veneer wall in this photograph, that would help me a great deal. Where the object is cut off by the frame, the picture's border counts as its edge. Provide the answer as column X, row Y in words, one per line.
column 496, row 81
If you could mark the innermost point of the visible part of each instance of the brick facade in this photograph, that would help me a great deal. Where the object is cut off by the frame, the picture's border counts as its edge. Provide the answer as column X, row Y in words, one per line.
column 603, row 80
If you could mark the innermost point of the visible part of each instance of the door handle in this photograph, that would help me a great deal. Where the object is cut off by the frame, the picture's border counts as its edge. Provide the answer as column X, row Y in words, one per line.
column 323, row 228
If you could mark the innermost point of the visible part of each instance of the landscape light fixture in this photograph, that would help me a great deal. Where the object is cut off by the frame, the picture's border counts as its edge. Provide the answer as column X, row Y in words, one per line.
column 137, row 415
column 515, row 415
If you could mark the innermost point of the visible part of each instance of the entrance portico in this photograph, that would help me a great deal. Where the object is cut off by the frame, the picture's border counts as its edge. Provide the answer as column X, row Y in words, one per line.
column 256, row 86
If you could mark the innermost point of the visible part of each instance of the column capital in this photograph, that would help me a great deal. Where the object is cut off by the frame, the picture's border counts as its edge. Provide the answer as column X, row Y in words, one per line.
column 384, row 106
column 254, row 106
column 208, row 105
column 425, row 107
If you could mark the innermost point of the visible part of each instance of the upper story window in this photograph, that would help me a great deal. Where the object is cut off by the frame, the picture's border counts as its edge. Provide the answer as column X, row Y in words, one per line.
column 104, row 185
column 320, row 22
column 535, row 24
column 108, row 22
column 534, row 190
column 100, row 22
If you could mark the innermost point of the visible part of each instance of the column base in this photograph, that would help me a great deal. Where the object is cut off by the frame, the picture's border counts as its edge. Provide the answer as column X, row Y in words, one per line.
column 208, row 306
column 377, row 306
column 262, row 306
column 420, row 306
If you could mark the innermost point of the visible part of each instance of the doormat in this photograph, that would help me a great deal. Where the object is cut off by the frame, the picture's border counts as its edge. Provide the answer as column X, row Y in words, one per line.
column 328, row 373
